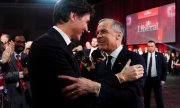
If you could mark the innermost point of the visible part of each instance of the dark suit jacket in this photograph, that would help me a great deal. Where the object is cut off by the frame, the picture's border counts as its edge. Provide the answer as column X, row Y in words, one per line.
column 49, row 57
column 125, row 95
column 87, row 52
column 11, row 70
column 12, row 78
column 161, row 65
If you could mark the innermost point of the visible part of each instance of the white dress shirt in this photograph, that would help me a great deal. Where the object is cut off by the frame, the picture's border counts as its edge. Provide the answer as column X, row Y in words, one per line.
column 153, row 69
column 64, row 35
column 21, row 72
column 115, row 54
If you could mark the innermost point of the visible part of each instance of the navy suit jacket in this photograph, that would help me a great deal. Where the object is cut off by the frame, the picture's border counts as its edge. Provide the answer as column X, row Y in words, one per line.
column 48, row 58
column 87, row 52
column 161, row 65
column 125, row 95
column 12, row 73
column 12, row 79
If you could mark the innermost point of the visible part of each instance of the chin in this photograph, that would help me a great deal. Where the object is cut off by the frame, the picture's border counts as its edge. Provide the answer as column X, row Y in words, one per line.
column 76, row 38
column 79, row 37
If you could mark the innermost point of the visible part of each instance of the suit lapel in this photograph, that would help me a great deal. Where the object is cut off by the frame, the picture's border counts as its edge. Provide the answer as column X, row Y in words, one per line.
column 146, row 57
column 120, row 61
column 102, row 70
column 62, row 42
column 13, row 63
column 156, row 57
column 67, row 50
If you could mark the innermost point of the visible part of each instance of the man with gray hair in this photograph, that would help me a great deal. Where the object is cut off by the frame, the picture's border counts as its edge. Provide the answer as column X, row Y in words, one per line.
column 120, row 78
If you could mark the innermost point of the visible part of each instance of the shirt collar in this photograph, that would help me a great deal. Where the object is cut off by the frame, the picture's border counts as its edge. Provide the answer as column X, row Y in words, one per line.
column 64, row 35
column 151, row 53
column 116, row 52
column 15, row 54
column 92, row 48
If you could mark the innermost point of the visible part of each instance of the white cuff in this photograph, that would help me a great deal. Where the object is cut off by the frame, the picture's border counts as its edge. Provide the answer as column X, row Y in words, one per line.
column 97, row 94
column 21, row 75
column 118, row 78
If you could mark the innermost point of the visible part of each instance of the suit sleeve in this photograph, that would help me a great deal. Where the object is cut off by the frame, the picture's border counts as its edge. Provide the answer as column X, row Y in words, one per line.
column 113, row 92
column 12, row 77
column 11, row 74
column 164, row 68
column 46, row 61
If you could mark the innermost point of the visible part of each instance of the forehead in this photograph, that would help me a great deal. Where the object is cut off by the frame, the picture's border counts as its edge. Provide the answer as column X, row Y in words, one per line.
column 151, row 44
column 4, row 36
column 19, row 38
column 86, row 17
column 94, row 39
column 104, row 24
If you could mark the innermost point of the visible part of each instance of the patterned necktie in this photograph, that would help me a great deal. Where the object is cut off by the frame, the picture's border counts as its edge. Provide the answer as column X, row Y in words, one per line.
column 19, row 66
column 18, row 62
column 150, row 66
column 108, row 65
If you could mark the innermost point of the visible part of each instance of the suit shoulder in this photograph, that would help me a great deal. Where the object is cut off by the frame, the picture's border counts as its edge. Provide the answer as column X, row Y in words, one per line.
column 133, row 54
column 47, row 37
column 144, row 55
column 40, row 39
column 159, row 53
column 135, row 58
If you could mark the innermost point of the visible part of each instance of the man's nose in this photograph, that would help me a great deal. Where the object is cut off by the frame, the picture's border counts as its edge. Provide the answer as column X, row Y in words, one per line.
column 86, row 29
column 99, row 35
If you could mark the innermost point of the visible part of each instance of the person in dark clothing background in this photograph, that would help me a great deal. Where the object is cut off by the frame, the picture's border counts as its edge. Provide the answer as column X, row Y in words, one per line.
column 156, row 75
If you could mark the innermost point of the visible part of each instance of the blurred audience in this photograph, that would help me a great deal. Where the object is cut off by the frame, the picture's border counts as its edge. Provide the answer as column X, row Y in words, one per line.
column 16, row 76
column 5, row 38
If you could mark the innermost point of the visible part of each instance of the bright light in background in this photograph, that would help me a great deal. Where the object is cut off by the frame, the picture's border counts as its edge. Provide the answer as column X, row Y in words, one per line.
column 47, row 1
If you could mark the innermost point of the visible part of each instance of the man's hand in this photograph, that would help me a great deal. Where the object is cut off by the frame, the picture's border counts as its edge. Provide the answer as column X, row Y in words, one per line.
column 25, row 71
column 79, row 87
column 130, row 73
column 6, row 54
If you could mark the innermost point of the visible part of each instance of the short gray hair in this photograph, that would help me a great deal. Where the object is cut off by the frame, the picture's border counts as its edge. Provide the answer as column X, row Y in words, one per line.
column 116, row 25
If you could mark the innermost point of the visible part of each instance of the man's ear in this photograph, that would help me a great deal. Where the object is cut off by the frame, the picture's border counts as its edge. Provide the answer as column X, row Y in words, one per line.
column 119, row 35
column 73, row 17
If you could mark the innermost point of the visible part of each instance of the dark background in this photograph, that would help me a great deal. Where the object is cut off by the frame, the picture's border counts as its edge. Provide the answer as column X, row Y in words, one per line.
column 34, row 17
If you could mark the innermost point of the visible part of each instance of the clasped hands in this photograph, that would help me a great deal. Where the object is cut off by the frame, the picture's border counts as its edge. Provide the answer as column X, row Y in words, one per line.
column 83, row 86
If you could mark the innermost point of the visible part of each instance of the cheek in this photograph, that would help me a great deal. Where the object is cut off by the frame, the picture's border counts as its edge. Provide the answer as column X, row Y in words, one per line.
column 77, row 31
column 102, row 47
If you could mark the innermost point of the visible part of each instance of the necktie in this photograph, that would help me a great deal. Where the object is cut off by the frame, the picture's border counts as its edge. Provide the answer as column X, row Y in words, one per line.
column 150, row 66
column 108, row 65
column 19, row 66
column 18, row 62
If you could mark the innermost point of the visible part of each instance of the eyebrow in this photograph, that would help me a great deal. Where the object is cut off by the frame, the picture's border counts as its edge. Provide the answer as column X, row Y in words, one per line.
column 102, row 30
